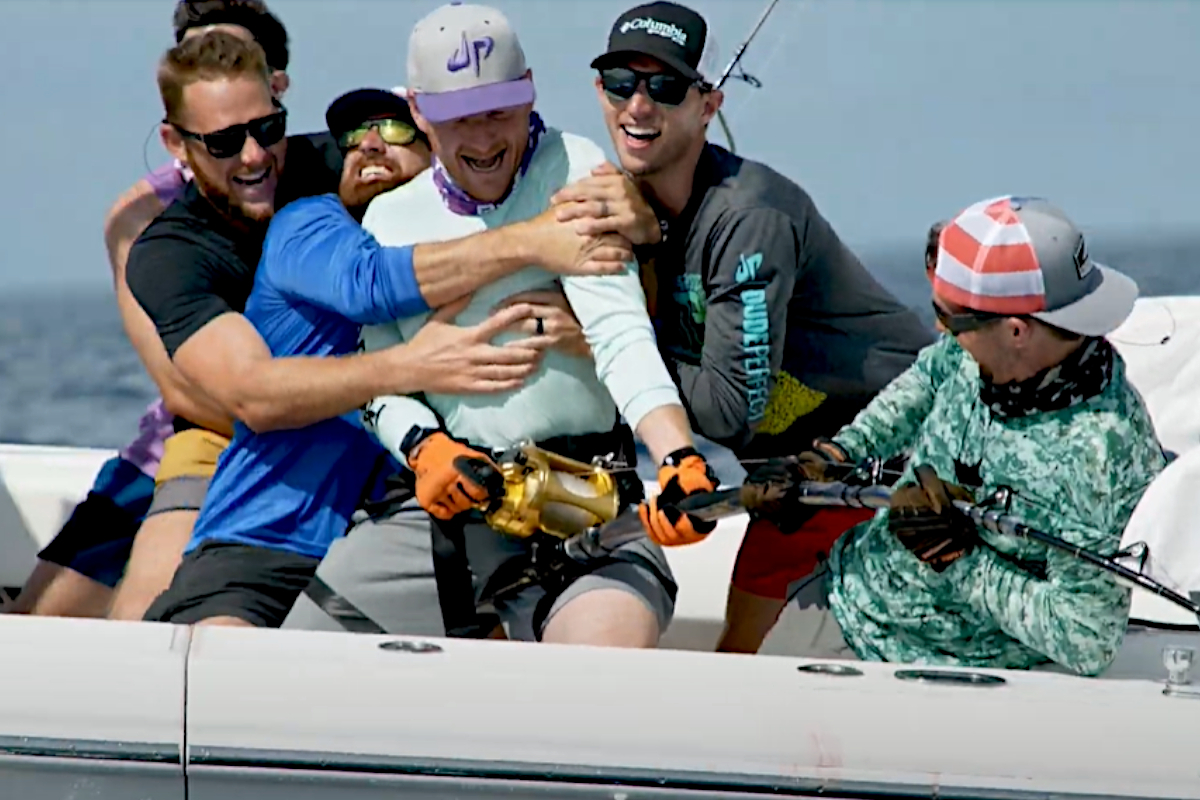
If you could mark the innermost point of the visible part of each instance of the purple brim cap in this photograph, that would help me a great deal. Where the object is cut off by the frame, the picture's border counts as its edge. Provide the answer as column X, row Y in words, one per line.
column 446, row 106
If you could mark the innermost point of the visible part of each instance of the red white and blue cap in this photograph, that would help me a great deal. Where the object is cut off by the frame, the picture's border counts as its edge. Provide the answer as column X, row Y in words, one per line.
column 1023, row 256
column 465, row 60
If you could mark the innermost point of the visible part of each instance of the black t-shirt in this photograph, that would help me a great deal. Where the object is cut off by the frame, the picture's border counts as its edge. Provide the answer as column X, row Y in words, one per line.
column 191, row 265
column 768, row 322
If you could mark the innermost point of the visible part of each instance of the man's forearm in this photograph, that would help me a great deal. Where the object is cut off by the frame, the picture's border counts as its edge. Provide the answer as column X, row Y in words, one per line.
column 447, row 271
column 297, row 391
column 665, row 430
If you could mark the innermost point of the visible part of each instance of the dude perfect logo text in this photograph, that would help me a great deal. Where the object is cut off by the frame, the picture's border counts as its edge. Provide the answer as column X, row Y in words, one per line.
column 756, row 337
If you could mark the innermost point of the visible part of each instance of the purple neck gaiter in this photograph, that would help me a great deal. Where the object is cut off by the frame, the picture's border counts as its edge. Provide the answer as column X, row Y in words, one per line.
column 458, row 201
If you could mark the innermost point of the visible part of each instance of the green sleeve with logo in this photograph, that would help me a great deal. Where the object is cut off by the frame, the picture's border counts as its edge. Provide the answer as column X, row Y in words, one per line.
column 753, row 255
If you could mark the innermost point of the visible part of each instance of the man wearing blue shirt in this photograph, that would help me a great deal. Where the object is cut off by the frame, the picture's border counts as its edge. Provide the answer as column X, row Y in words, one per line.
column 279, row 498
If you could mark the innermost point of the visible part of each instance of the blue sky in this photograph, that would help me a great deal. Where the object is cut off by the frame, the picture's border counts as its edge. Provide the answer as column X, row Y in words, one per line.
column 890, row 113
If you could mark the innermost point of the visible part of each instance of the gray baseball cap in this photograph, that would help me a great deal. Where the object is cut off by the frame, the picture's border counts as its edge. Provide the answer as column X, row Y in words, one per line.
column 1024, row 256
column 464, row 60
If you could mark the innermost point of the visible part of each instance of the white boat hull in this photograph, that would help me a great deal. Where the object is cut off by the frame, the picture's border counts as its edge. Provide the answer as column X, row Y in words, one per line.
column 108, row 709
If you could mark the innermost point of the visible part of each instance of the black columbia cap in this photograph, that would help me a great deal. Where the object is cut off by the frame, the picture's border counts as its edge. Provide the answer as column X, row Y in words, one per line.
column 674, row 34
column 356, row 107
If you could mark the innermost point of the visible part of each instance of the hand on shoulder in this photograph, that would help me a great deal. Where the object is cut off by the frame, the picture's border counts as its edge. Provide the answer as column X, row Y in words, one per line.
column 608, row 202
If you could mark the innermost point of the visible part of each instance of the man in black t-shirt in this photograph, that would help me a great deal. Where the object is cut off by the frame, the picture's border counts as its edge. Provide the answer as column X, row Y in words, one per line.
column 776, row 333
column 77, row 571
column 193, row 269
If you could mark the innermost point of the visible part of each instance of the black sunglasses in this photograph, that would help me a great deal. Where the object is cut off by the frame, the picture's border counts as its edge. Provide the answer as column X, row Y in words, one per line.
column 228, row 142
column 667, row 88
column 967, row 321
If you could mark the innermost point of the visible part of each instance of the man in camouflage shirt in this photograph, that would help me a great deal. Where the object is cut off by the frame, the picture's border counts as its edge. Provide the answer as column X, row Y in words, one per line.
column 1023, row 392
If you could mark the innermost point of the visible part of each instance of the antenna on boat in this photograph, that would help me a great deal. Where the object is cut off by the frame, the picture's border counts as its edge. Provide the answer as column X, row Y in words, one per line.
column 742, row 74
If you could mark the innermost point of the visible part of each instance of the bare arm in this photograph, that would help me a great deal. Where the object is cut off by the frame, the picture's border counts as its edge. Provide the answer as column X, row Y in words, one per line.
column 447, row 271
column 266, row 393
column 229, row 357
column 664, row 430
column 126, row 220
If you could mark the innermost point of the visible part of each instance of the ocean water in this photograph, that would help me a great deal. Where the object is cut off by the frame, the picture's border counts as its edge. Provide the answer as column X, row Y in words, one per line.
column 68, row 375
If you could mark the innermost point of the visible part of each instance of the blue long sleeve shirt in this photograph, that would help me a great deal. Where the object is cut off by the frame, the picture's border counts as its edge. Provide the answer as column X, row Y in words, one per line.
column 320, row 278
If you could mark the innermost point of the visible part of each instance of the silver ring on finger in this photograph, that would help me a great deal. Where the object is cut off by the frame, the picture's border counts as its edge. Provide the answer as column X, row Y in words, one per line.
column 603, row 208
column 541, row 326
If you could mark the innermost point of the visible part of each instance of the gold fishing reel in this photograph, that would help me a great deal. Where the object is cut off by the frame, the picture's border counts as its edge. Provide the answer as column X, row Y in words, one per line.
column 544, row 491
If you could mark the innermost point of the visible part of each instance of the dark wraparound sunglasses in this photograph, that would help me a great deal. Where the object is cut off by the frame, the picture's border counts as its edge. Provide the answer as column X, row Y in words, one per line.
column 392, row 131
column 228, row 142
column 667, row 88
column 968, row 321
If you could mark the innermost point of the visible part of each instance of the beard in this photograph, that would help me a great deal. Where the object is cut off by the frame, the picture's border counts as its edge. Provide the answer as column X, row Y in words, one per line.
column 227, row 205
column 357, row 196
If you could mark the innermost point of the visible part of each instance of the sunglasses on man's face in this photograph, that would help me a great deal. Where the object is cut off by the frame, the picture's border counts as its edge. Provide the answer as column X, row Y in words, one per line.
column 965, row 322
column 228, row 142
column 665, row 88
column 392, row 131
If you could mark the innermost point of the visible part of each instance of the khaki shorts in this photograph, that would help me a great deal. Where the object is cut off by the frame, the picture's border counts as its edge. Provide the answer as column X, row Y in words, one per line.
column 188, row 463
column 807, row 627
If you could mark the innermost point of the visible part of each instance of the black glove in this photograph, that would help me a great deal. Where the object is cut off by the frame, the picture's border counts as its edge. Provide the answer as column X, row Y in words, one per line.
column 923, row 517
column 771, row 491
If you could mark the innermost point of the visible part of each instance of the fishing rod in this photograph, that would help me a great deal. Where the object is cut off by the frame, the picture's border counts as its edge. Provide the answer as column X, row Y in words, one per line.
column 602, row 540
column 742, row 75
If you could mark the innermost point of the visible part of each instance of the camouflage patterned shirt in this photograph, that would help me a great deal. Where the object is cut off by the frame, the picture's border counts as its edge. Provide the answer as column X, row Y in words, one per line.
column 1077, row 472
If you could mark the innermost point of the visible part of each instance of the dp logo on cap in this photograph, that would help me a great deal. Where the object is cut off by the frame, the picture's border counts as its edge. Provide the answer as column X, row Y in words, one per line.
column 470, row 52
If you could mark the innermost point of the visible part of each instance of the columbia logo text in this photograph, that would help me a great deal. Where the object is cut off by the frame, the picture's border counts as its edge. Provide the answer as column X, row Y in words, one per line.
column 656, row 28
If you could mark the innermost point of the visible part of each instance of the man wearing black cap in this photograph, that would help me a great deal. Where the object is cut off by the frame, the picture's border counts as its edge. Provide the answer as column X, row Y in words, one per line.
column 279, row 498
column 773, row 329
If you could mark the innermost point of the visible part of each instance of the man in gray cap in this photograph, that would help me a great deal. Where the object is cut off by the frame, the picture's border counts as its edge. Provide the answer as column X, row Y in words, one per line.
column 1025, row 392
column 495, row 162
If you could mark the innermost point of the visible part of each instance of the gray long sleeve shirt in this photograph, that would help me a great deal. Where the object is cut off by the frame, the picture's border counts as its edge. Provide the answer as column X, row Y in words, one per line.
column 762, row 314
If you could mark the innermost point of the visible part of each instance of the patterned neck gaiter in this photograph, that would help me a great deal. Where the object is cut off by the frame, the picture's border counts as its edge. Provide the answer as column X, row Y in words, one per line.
column 458, row 201
column 1082, row 375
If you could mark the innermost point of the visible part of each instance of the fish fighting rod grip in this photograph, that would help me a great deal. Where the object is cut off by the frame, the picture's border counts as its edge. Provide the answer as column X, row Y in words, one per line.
column 603, row 539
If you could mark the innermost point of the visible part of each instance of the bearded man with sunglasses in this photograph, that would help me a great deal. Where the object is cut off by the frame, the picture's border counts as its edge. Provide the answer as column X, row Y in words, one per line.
column 1023, row 392
column 193, row 268
column 774, row 331
column 76, row 573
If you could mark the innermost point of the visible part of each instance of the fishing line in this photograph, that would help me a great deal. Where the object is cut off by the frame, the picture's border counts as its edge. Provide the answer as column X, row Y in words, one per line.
column 1159, row 343
column 146, row 145
column 782, row 26
column 742, row 74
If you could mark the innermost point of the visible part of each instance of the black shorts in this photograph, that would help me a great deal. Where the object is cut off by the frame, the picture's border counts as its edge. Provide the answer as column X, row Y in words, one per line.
column 223, row 579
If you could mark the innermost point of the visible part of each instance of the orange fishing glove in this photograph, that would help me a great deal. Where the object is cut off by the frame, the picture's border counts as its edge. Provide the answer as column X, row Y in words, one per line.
column 683, row 473
column 453, row 477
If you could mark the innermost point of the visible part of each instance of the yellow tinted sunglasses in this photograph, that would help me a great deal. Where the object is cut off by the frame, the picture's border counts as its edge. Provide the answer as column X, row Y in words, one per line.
column 392, row 131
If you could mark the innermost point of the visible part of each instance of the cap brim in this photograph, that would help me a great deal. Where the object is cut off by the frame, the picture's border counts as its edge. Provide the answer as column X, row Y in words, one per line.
column 615, row 58
column 1099, row 313
column 355, row 107
column 446, row 106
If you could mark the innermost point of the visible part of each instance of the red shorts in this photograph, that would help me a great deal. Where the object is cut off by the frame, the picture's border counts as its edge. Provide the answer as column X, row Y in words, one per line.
column 769, row 560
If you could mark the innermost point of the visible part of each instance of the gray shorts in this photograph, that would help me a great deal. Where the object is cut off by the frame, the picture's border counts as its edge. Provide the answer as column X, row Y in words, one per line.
column 384, row 567
column 487, row 550
column 807, row 627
